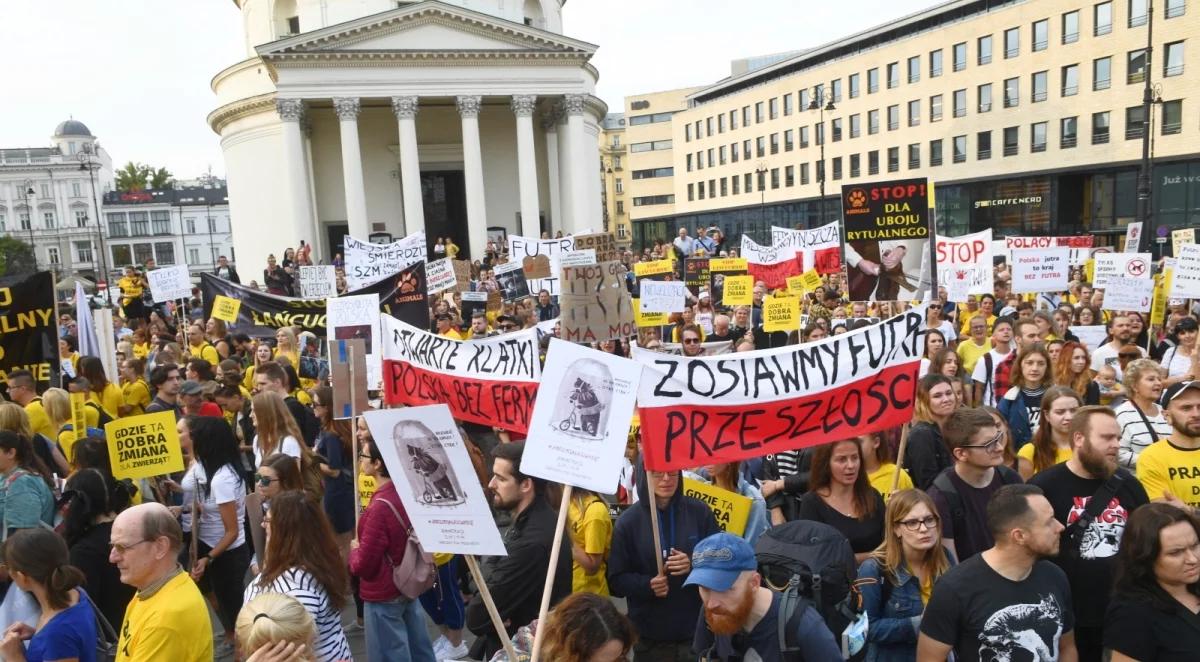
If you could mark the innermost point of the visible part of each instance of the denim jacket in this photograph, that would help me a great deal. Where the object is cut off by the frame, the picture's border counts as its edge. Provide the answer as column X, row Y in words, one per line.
column 892, row 625
column 1013, row 410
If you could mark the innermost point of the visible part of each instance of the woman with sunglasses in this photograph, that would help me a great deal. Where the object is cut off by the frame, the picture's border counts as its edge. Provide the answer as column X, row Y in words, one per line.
column 334, row 448
column 1142, row 421
column 904, row 568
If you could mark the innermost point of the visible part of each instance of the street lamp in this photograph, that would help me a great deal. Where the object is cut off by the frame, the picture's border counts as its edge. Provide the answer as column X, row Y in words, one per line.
column 30, row 194
column 1148, row 99
column 821, row 104
column 761, row 170
column 86, row 163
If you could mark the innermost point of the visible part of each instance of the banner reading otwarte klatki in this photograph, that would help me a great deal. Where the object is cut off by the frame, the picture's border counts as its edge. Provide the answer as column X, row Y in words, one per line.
column 491, row 381
column 818, row 248
column 887, row 239
column 706, row 410
column 28, row 329
column 772, row 265
column 368, row 263
column 401, row 294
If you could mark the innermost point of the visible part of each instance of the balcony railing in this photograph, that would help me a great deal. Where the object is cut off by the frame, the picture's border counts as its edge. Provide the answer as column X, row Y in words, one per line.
column 1067, row 142
column 1011, row 150
column 1100, row 137
column 983, row 155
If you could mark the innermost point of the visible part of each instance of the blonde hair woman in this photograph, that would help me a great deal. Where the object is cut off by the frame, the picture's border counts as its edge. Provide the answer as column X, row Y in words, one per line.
column 57, row 404
column 14, row 419
column 275, row 626
column 287, row 345
column 277, row 429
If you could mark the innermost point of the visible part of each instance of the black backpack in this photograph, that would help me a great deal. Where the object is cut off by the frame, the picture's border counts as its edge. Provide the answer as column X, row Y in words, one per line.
column 954, row 501
column 810, row 563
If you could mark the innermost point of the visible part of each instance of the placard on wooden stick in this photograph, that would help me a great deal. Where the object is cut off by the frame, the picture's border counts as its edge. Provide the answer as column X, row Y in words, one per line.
column 348, row 373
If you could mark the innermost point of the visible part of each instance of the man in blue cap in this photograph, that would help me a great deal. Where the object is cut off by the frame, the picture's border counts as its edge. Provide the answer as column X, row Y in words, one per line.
column 741, row 616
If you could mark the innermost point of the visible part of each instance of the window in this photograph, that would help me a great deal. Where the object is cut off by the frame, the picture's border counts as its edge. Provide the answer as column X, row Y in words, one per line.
column 762, row 182
column 774, row 178
column 1041, row 35
column 855, row 165
column 139, row 223
column 654, row 200
column 960, row 103
column 745, row 115
column 2, row 223
column 837, row 168
column 1173, row 59
column 985, row 97
column 935, row 108
column 855, row 125
column 1041, row 80
column 1175, row 8
column 1172, row 117
column 804, row 179
column 1102, row 18
column 804, row 100
column 117, row 227
column 616, row 162
column 161, row 222
column 724, row 186
column 1012, row 136
column 1101, row 73
column 914, row 112
column 687, row 133
column 935, row 64
column 960, row 56
column 48, row 220
column 1135, row 71
column 191, row 225
column 835, row 90
column 691, row 192
column 787, row 104
column 914, row 156
column 819, row 92
column 820, row 132
column 1037, row 137
column 52, row 255
column 893, row 117
column 1100, row 123
column 837, row 129
column 1135, row 122
column 788, row 141
column 654, row 118
column 760, row 146
column 650, row 146
column 773, row 107
column 746, row 153
column 721, row 123
column 789, row 176
column 935, row 152
column 45, row 190
column 758, row 113
column 893, row 156
column 803, row 137
column 164, row 253
column 1137, row 13
column 774, row 143
column 854, row 84
column 820, row 171
column 708, row 126
column 83, row 251
column 142, row 253
column 893, row 75
column 76, row 190
column 121, row 254
column 747, row 182
column 621, row 205
column 1012, row 43
column 873, row 162
column 1070, row 27
column 1068, row 129
column 914, row 68
column 81, row 218
column 24, row 217
column 1012, row 92
column 872, row 122
column 960, row 149
column 619, row 186
column 983, row 145
column 737, row 184
column 194, row 255
column 733, row 152
column 733, row 123
column 872, row 81
column 1070, row 80
column 689, row 163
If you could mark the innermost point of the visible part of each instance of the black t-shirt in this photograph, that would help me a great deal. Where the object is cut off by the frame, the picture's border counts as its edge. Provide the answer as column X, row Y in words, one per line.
column 864, row 535
column 987, row 617
column 975, row 537
column 1091, row 574
column 1150, row 634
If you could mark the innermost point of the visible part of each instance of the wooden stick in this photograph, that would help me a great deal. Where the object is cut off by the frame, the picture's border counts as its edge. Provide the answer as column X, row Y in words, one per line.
column 900, row 458
column 354, row 414
column 486, row 595
column 658, row 550
column 564, row 505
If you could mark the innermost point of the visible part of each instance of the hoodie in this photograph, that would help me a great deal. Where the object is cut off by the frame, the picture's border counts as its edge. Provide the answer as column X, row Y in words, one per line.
column 631, row 563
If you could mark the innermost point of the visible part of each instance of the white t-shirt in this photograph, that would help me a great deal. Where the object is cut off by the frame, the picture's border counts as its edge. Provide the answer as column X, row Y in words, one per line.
column 980, row 376
column 1108, row 355
column 946, row 328
column 226, row 487
column 1177, row 362
column 289, row 447
column 331, row 644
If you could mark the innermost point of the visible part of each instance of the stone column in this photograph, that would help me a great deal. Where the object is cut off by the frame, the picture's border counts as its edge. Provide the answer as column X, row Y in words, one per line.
column 468, row 110
column 580, row 170
column 352, row 175
column 522, row 107
column 299, row 210
column 405, row 109
column 567, row 222
column 550, row 126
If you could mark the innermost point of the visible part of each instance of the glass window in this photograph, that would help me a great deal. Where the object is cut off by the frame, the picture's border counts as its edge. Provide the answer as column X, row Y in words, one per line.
column 1012, row 43
column 161, row 222
column 1037, row 137
column 985, row 97
column 139, row 223
column 733, row 120
column 914, row 156
column 733, row 152
column 758, row 112
column 720, row 123
column 935, row 108
column 1070, row 80
column 1173, row 59
column 855, row 125
column 1012, row 138
column 914, row 68
column 52, row 255
column 1137, row 13
column 760, row 146
column 1136, row 66
column 893, row 75
column 1012, row 92
column 787, row 104
column 774, row 107
column 83, row 251
column 837, row 129
column 788, row 139
column 1070, row 27
column 835, row 90
column 872, row 81
column 1041, row 35
column 935, row 152
column 960, row 56
column 872, row 122
column 854, row 83
column 1102, row 18
column 687, row 132
column 914, row 112
column 960, row 149
column 724, row 187
column 960, row 103
column 720, row 157
column 48, row 220
column 893, row 156
column 1135, row 122
column 855, row 165
column 1041, row 80
column 121, row 254
column 804, row 100
column 893, row 117
column 873, row 162
column 983, row 145
column 804, row 177
column 1068, row 128
column 164, row 252
column 143, row 253
column 984, row 46
column 789, row 176
column 935, row 63
column 819, row 132
column 774, row 143
column 837, row 168
column 81, row 218
column 1101, row 73
column 1100, row 124
column 1175, row 8
column 116, row 225
column 25, row 221
column 745, row 115
column 1172, row 117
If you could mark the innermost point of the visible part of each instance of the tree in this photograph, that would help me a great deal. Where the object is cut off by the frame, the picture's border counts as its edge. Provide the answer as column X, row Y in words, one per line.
column 162, row 178
column 134, row 177
column 16, row 257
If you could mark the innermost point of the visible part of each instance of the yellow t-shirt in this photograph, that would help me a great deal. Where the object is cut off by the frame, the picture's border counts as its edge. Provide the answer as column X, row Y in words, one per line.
column 881, row 479
column 248, row 379
column 303, row 396
column 965, row 331
column 969, row 354
column 38, row 420
column 172, row 624
column 452, row 333
column 206, row 352
column 110, row 400
column 1165, row 466
column 66, row 438
column 926, row 590
column 590, row 528
column 131, row 288
column 141, row 351
column 1060, row 455
column 136, row 394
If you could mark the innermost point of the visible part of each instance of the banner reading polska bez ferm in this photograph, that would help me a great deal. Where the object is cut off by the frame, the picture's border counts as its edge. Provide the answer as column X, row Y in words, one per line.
column 887, row 239
column 714, row 409
column 28, row 329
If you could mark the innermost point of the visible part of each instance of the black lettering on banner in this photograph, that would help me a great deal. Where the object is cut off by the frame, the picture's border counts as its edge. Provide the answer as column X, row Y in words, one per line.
column 658, row 389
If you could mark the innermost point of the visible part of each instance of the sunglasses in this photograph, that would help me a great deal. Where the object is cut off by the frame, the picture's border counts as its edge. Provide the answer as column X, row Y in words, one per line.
column 265, row 481
column 365, row 457
column 691, row 341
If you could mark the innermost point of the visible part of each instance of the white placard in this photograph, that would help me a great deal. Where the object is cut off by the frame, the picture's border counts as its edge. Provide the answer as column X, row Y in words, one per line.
column 662, row 296
column 507, row 267
column 583, row 258
column 318, row 282
column 1133, row 265
column 170, row 283
column 1041, row 270
column 958, row 289
column 520, row 248
column 1185, row 284
column 1124, row 293
column 367, row 264
column 1133, row 236
column 580, row 421
column 429, row 464
column 1092, row 336
column 808, row 242
column 358, row 317
column 439, row 275
column 966, row 259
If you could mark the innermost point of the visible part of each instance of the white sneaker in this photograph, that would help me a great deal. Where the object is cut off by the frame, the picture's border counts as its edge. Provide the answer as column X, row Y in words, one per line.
column 439, row 646
column 452, row 652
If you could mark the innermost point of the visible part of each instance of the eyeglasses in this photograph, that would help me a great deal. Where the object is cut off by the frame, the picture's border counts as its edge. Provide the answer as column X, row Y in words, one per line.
column 265, row 481
column 365, row 457
column 996, row 443
column 928, row 522
column 691, row 341
column 123, row 549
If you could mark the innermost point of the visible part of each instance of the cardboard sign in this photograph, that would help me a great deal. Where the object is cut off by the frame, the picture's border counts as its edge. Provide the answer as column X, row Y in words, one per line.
column 696, row 274
column 1186, row 281
column 462, row 275
column 601, row 243
column 669, row 296
column 811, row 280
column 1132, row 265
column 958, row 289
column 967, row 260
column 655, row 268
column 144, row 446
column 781, row 313
column 1179, row 238
column 795, row 285
column 439, row 275
column 739, row 291
column 1162, row 285
column 578, row 258
column 1080, row 245
column 818, row 248
column 1091, row 336
column 366, row 489
column 731, row 509
column 428, row 462
column 226, row 308
column 495, row 301
column 358, row 317
column 170, row 283
column 1045, row 270
column 720, row 269
column 540, row 279
column 30, row 342
column 595, row 304
column 643, row 320
column 318, row 282
column 537, row 266
column 727, row 264
column 367, row 263
column 511, row 278
column 1124, row 293
column 471, row 302
column 887, row 224
column 1133, row 237
column 580, row 422
column 348, row 375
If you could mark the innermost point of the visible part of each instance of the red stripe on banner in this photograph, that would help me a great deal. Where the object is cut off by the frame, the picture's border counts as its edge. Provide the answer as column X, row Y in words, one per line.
column 503, row 404
column 828, row 260
column 776, row 275
column 685, row 436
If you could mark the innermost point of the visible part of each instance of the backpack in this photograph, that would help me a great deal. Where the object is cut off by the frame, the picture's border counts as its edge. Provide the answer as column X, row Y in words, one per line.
column 103, row 416
column 958, row 514
column 809, row 563
column 310, row 427
column 416, row 572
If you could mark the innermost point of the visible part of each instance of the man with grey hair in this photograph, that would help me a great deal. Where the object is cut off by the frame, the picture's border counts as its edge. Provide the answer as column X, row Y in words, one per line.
column 721, row 332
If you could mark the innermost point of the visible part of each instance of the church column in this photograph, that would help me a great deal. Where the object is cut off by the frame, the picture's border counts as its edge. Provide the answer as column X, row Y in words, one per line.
column 300, row 216
column 550, row 126
column 522, row 107
column 405, row 109
column 352, row 175
column 576, row 136
column 468, row 109
column 567, row 222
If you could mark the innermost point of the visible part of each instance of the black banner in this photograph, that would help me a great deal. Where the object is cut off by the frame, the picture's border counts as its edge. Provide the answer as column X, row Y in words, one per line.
column 888, row 234
column 401, row 295
column 28, row 328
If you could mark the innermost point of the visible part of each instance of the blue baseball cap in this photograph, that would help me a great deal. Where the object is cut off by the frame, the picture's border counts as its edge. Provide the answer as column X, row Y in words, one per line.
column 718, row 560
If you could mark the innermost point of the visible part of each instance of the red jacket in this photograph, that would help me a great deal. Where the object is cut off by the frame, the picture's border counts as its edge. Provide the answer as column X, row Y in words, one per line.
column 380, row 536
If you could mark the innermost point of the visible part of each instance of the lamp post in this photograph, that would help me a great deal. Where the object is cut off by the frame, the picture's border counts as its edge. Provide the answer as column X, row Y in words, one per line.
column 86, row 163
column 1143, row 183
column 821, row 104
column 30, row 194
column 761, row 171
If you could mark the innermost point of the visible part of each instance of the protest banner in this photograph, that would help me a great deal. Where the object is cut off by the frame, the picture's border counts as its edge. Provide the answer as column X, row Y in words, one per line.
column 578, row 258
column 818, row 248
column 144, row 446
column 643, row 320
column 720, row 268
column 1185, row 283
column 1133, row 265
column 170, row 283
column 595, row 304
column 428, row 462
column 537, row 266
column 669, row 296
column 520, row 248
column 1092, row 336
column 655, row 268
column 511, row 279
column 709, row 410
column 781, row 313
column 440, row 275
column 1081, row 246
column 1133, row 237
column 888, row 239
column 367, row 263
column 1179, row 238
column 491, row 381
column 1124, row 293
column 770, row 264
column 1041, row 270
column 348, row 376
column 696, row 274
column 471, row 303
column 730, row 509
column 78, row 419
column 462, row 275
column 795, row 285
column 357, row 317
column 318, row 282
column 601, row 243
column 966, row 259
column 225, row 308
column 29, row 328
column 811, row 280
column 738, row 291
column 1162, row 285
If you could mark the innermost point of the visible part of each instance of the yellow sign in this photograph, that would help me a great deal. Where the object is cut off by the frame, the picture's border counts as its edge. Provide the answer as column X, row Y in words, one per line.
column 366, row 489
column 812, row 280
column 79, row 415
column 781, row 313
column 731, row 509
column 739, row 291
column 225, row 308
column 643, row 269
column 648, row 319
column 144, row 446
column 1158, row 305
column 1181, row 237
column 1089, row 268
column 727, row 264
column 795, row 284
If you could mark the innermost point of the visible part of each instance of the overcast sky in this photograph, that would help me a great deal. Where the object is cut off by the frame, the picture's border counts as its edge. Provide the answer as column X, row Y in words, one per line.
column 137, row 72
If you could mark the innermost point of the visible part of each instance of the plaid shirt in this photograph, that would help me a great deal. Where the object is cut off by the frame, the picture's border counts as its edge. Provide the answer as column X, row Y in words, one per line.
column 1002, row 379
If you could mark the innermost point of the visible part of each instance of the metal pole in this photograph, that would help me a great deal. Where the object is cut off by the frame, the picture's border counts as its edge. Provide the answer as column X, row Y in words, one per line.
column 29, row 195
column 208, row 219
column 1143, row 186
column 100, row 234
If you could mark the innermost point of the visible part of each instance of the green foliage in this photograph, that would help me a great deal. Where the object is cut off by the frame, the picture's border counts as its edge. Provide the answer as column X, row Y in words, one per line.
column 134, row 177
column 16, row 256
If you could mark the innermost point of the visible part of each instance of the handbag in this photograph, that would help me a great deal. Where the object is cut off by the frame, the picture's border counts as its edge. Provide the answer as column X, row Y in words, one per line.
column 1074, row 533
column 416, row 572
column 106, row 636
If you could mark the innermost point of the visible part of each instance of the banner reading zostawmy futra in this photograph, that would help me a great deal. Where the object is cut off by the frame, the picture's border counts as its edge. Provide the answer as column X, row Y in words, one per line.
column 28, row 329
column 714, row 409
column 887, row 239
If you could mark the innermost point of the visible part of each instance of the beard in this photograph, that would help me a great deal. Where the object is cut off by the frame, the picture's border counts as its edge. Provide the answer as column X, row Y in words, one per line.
column 726, row 623
column 501, row 504
column 1096, row 463
column 1186, row 429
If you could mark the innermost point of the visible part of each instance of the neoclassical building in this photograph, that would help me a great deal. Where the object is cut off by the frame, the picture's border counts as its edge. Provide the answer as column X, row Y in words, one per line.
column 456, row 117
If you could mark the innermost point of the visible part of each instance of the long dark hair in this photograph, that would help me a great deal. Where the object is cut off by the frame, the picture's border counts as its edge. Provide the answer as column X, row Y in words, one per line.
column 821, row 477
column 214, row 446
column 92, row 369
column 583, row 623
column 42, row 555
column 1140, row 548
column 26, row 458
column 86, row 495
column 338, row 428
column 303, row 538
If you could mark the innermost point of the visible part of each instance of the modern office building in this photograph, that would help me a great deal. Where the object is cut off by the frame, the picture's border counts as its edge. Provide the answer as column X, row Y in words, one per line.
column 613, row 153
column 650, row 120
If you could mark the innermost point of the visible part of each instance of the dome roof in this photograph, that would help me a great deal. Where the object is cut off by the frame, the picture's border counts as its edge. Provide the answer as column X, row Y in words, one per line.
column 72, row 128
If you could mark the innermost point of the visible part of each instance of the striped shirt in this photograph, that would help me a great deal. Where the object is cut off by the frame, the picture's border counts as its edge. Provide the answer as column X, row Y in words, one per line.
column 1135, row 435
column 331, row 644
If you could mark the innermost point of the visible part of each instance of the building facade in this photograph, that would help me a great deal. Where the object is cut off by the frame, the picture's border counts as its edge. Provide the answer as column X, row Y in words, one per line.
column 187, row 225
column 367, row 116
column 652, row 151
column 1027, row 116
column 613, row 155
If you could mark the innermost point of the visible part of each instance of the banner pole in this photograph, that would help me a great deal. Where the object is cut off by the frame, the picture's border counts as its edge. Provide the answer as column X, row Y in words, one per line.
column 486, row 595
column 900, row 458
column 563, row 506
column 658, row 550
column 354, row 416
